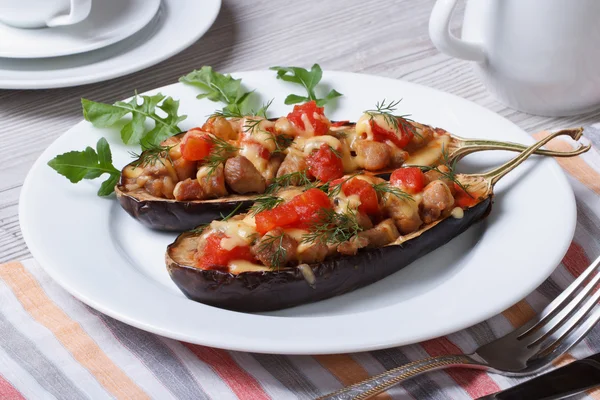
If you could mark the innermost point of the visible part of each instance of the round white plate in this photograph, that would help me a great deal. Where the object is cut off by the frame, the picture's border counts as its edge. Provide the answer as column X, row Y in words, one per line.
column 108, row 22
column 177, row 25
column 91, row 247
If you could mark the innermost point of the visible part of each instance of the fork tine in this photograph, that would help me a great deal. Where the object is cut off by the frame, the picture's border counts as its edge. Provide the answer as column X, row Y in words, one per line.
column 556, row 321
column 580, row 318
column 564, row 343
column 556, row 305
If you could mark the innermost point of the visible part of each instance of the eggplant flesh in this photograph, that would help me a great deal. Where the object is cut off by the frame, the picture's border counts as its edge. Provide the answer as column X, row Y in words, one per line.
column 259, row 291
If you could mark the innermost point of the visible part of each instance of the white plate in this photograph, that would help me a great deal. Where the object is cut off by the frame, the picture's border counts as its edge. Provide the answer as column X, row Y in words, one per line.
column 108, row 22
column 92, row 248
column 177, row 25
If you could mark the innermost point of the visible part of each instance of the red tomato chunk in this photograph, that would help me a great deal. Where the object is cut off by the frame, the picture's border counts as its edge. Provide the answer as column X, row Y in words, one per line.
column 315, row 116
column 324, row 164
column 369, row 203
column 410, row 179
column 216, row 257
column 196, row 145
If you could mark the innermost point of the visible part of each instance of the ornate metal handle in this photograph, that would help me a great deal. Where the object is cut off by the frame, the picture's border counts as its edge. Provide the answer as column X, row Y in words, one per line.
column 380, row 383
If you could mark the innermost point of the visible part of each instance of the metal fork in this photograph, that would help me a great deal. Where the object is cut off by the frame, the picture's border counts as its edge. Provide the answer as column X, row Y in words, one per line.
column 525, row 351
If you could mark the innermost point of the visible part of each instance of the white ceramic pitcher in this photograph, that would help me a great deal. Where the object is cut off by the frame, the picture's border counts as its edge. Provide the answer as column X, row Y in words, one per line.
column 537, row 56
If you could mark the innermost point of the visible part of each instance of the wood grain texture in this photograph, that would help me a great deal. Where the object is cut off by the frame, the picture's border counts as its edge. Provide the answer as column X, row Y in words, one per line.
column 385, row 37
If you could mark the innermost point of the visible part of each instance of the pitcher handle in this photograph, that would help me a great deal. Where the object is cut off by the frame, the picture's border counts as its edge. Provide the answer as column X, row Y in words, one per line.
column 439, row 32
column 80, row 9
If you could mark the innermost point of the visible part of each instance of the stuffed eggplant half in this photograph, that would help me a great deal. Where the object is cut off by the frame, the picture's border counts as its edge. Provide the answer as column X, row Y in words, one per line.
column 307, row 244
column 194, row 177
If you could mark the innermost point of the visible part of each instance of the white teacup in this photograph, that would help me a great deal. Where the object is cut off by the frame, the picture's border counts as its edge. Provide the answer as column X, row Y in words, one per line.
column 536, row 56
column 43, row 13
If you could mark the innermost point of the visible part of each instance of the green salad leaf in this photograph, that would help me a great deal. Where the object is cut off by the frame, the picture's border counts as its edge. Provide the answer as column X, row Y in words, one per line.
column 88, row 164
column 103, row 115
column 220, row 87
column 309, row 80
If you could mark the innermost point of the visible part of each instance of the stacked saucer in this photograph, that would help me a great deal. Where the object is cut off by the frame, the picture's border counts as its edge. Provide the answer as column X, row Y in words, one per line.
column 116, row 38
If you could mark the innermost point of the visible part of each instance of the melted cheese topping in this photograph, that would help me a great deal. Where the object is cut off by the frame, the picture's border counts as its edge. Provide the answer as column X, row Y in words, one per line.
column 202, row 173
column 239, row 233
column 297, row 235
column 363, row 125
column 239, row 266
column 343, row 203
column 252, row 152
column 431, row 153
column 457, row 213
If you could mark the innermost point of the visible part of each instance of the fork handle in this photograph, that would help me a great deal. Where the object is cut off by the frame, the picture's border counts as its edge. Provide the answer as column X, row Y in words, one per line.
column 382, row 382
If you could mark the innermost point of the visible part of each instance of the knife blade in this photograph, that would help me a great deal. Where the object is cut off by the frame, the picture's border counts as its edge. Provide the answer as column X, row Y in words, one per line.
column 568, row 380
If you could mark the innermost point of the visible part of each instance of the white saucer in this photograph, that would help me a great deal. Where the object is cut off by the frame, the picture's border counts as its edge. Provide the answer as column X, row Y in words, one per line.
column 176, row 26
column 109, row 21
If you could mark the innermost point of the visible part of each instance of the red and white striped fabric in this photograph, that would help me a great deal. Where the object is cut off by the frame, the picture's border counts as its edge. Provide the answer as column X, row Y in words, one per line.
column 53, row 346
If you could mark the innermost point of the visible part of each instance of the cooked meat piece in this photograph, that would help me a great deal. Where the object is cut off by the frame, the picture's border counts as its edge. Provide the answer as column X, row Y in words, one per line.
column 423, row 136
column 185, row 169
column 213, row 186
column 160, row 187
column 295, row 161
column 312, row 253
column 404, row 212
column 267, row 250
column 433, row 175
column 188, row 189
column 243, row 177
column 372, row 155
column 273, row 166
column 363, row 220
column 382, row 234
column 350, row 247
column 437, row 199
column 220, row 127
column 398, row 157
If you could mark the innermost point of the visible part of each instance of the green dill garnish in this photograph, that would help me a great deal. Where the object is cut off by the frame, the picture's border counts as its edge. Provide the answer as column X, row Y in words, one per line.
column 333, row 228
column 298, row 178
column 274, row 242
column 385, row 187
column 220, row 152
column 451, row 174
column 335, row 152
column 264, row 203
column 152, row 154
column 395, row 121
column 201, row 228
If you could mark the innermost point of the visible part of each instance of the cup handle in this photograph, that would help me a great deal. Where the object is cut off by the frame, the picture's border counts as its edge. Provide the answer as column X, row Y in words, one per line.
column 80, row 9
column 439, row 32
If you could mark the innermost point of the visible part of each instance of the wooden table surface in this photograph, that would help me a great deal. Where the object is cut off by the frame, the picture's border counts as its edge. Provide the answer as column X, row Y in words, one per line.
column 385, row 37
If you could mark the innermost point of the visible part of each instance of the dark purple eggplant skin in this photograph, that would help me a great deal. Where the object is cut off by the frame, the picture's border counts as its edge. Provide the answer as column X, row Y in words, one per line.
column 276, row 290
column 177, row 216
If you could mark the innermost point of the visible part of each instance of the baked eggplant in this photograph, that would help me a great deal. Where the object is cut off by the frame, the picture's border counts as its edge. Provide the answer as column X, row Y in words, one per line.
column 268, row 289
column 166, row 214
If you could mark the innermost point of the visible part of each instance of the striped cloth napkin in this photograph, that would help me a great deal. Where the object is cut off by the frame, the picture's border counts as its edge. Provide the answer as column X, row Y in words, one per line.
column 53, row 346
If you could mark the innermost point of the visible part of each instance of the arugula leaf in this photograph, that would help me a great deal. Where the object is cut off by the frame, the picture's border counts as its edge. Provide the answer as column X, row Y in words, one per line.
column 103, row 115
column 88, row 164
column 219, row 87
column 308, row 79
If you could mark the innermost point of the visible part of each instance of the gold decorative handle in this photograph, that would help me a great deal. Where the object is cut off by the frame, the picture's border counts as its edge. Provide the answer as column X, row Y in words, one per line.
column 380, row 383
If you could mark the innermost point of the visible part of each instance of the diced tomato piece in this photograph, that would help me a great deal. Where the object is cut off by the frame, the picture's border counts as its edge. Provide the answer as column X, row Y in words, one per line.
column 369, row 203
column 339, row 123
column 400, row 138
column 410, row 179
column 282, row 215
column 315, row 115
column 308, row 205
column 324, row 164
column 300, row 212
column 462, row 199
column 196, row 145
column 216, row 257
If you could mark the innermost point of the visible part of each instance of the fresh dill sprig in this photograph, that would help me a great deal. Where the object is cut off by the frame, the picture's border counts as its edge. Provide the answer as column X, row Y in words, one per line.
column 335, row 152
column 333, row 228
column 451, row 174
column 264, row 203
column 385, row 187
column 152, row 154
column 274, row 242
column 219, row 154
column 199, row 229
column 387, row 110
column 298, row 178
